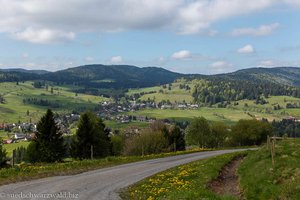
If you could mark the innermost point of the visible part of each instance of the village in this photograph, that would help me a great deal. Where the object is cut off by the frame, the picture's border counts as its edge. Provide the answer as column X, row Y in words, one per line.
column 109, row 111
column 25, row 131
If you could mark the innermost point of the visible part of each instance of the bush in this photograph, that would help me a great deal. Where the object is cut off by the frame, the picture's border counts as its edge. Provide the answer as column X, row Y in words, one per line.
column 147, row 142
column 175, row 139
column 250, row 132
column 32, row 153
column 198, row 132
column 116, row 144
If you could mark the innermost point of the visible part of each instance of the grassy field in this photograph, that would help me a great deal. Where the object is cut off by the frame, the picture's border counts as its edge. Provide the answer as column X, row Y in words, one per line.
column 122, row 126
column 174, row 95
column 10, row 147
column 268, row 108
column 230, row 114
column 261, row 180
column 184, row 182
column 226, row 115
column 14, row 109
column 4, row 135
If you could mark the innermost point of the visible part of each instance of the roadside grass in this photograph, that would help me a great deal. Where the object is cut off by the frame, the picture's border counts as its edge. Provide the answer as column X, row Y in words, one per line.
column 23, row 172
column 260, row 180
column 187, row 181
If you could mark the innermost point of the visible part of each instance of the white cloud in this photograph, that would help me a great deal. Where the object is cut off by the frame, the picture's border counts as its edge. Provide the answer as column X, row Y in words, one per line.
column 267, row 63
column 247, row 49
column 116, row 60
column 25, row 55
column 220, row 66
column 293, row 2
column 278, row 63
column 180, row 55
column 197, row 16
column 44, row 36
column 263, row 30
column 51, row 21
column 89, row 59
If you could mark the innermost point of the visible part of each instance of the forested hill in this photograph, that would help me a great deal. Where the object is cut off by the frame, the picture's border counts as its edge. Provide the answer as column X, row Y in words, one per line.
column 281, row 75
column 96, row 76
column 113, row 76
column 125, row 76
column 254, row 83
column 20, row 70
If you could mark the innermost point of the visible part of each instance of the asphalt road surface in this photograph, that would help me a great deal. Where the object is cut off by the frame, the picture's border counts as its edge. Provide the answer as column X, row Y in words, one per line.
column 98, row 184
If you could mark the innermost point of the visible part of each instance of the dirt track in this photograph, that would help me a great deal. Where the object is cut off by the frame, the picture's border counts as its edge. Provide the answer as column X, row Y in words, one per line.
column 227, row 182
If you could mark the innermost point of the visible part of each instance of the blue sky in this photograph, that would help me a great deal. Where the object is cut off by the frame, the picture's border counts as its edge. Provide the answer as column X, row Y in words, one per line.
column 188, row 36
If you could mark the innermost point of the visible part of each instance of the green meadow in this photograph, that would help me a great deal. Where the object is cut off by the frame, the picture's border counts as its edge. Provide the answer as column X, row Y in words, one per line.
column 14, row 109
column 174, row 95
column 10, row 147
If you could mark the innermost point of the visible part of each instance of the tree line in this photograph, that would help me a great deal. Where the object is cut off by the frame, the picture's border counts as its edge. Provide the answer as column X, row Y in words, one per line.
column 42, row 102
column 207, row 134
column 286, row 127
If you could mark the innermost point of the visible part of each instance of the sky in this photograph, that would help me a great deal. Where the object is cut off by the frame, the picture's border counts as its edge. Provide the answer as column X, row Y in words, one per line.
column 186, row 36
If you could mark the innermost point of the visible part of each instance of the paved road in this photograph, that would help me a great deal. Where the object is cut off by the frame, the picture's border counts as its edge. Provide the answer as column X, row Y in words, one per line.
column 98, row 184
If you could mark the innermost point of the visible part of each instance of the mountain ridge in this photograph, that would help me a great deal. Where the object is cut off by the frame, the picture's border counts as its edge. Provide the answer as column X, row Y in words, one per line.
column 126, row 76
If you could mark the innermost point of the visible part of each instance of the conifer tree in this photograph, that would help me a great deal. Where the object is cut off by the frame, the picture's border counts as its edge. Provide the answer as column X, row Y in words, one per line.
column 48, row 146
column 91, row 138
column 3, row 157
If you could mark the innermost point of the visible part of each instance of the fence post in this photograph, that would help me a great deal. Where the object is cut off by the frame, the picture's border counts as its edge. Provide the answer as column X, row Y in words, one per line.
column 273, row 152
column 13, row 157
column 92, row 152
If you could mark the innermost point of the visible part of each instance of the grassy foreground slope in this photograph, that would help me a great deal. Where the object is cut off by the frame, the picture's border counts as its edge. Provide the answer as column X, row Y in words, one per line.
column 187, row 181
column 259, row 179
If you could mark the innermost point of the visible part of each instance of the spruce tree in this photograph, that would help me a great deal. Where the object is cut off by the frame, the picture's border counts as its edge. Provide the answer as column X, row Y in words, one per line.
column 3, row 157
column 91, row 136
column 48, row 146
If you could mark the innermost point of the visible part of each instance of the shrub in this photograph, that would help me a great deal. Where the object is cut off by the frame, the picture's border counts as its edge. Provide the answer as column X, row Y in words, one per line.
column 116, row 144
column 147, row 142
column 250, row 132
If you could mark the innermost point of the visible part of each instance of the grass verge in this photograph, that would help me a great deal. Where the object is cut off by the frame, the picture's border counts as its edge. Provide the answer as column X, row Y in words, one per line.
column 25, row 172
column 259, row 179
column 187, row 181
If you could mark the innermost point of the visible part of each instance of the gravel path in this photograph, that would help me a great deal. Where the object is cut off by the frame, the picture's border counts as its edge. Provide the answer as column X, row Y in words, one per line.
column 98, row 184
